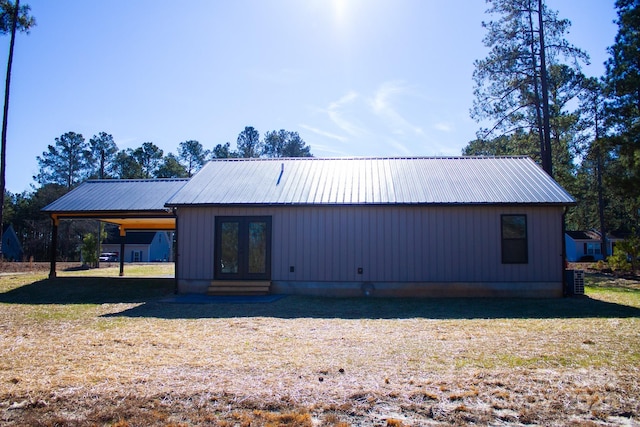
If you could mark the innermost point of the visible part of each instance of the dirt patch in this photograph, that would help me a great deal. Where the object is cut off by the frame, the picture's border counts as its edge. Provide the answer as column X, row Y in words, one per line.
column 594, row 268
column 519, row 397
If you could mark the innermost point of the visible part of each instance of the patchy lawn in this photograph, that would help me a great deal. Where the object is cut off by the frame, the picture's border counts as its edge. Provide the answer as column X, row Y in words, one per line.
column 108, row 351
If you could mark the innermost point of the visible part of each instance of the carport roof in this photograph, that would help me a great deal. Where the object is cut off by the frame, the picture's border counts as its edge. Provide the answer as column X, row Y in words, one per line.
column 132, row 203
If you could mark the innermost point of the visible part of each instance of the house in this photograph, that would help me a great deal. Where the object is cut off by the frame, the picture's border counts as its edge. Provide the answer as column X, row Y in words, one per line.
column 11, row 247
column 464, row 226
column 410, row 226
column 142, row 246
column 586, row 245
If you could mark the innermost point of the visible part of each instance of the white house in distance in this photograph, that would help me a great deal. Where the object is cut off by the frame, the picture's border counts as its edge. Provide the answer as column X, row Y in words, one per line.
column 410, row 226
column 142, row 246
column 585, row 245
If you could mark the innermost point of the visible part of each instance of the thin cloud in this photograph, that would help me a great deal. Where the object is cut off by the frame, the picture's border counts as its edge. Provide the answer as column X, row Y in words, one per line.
column 324, row 133
column 382, row 106
column 335, row 111
column 400, row 148
column 443, row 127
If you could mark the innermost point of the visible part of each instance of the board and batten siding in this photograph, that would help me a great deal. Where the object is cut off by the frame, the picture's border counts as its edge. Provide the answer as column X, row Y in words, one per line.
column 453, row 246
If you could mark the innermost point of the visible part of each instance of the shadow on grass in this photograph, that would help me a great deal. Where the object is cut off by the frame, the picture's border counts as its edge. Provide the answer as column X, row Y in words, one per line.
column 293, row 307
column 149, row 292
column 89, row 290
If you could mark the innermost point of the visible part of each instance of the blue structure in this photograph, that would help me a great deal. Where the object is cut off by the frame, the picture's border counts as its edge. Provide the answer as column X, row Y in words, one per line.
column 11, row 247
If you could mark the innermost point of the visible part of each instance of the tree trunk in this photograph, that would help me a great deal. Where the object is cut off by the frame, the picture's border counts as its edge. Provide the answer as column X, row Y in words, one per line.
column 547, row 163
column 3, row 149
column 536, row 88
column 603, row 230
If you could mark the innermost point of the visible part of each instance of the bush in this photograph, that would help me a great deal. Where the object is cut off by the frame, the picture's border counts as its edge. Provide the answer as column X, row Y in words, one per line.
column 89, row 250
column 618, row 261
column 626, row 255
column 601, row 265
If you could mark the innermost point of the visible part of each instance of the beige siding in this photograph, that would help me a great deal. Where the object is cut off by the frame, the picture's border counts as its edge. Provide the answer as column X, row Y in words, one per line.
column 390, row 243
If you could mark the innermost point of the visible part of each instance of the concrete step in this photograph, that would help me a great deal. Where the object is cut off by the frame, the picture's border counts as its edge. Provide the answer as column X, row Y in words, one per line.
column 229, row 287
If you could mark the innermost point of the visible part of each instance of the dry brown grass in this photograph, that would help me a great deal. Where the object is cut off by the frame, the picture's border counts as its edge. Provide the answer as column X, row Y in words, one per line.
column 383, row 362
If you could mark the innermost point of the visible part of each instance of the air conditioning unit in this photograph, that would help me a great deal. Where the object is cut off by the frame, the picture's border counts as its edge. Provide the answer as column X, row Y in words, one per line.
column 574, row 282
column 578, row 282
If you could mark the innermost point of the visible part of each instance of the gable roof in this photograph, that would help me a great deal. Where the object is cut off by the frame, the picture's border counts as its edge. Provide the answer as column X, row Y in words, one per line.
column 357, row 181
column 584, row 235
column 595, row 235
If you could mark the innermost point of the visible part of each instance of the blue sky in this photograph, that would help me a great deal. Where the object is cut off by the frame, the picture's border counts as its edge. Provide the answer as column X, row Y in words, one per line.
column 353, row 77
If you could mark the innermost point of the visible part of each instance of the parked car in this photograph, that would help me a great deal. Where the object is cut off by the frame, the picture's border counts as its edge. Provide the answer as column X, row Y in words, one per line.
column 108, row 257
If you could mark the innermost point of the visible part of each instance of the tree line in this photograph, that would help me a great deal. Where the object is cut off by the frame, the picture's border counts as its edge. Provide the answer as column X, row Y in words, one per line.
column 583, row 130
column 71, row 159
column 529, row 90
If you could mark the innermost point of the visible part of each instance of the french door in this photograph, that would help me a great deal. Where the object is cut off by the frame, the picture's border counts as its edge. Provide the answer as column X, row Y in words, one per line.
column 243, row 248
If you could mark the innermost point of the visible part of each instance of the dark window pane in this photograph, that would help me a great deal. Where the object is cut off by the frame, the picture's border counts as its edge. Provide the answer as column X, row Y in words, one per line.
column 514, row 239
column 514, row 227
column 514, row 251
column 257, row 247
column 229, row 247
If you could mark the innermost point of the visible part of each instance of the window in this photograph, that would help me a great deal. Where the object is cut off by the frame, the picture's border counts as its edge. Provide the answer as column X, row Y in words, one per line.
column 592, row 249
column 514, row 239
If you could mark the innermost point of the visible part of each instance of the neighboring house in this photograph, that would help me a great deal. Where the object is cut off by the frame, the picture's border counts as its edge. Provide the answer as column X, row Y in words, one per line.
column 412, row 227
column 11, row 247
column 467, row 226
column 142, row 246
column 586, row 246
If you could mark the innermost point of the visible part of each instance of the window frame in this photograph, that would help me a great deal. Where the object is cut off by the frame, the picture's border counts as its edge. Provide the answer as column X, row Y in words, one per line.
column 243, row 272
column 508, row 243
column 592, row 248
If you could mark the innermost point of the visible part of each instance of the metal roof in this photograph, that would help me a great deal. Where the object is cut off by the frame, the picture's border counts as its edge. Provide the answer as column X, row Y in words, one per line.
column 595, row 235
column 357, row 181
column 584, row 235
column 116, row 195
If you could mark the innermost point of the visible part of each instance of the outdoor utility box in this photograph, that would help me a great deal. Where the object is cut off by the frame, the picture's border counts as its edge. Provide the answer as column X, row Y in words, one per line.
column 574, row 282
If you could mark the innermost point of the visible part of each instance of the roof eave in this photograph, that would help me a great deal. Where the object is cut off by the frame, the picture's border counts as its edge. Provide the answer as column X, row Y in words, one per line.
column 282, row 204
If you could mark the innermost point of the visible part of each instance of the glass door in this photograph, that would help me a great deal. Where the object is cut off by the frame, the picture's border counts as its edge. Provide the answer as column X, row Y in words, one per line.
column 243, row 248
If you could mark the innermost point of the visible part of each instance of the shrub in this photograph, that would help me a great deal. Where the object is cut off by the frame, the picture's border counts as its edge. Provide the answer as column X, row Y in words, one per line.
column 618, row 261
column 626, row 255
column 89, row 249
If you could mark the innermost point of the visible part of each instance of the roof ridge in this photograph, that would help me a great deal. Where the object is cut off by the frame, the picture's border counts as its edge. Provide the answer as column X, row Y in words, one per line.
column 137, row 179
column 276, row 159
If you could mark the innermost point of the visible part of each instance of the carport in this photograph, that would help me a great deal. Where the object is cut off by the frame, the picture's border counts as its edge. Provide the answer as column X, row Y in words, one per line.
column 131, row 204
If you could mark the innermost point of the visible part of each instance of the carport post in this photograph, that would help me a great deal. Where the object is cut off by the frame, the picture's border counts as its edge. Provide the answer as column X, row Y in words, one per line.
column 123, row 235
column 54, row 246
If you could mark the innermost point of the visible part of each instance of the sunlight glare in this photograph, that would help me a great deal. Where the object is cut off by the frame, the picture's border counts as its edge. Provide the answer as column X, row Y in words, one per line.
column 340, row 10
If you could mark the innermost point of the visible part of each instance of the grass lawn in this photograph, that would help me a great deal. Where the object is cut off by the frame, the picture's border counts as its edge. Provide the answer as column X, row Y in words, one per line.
column 107, row 351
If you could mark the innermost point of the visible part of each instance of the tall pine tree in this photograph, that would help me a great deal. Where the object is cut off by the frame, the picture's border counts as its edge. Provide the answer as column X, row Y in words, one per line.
column 512, row 84
column 623, row 89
